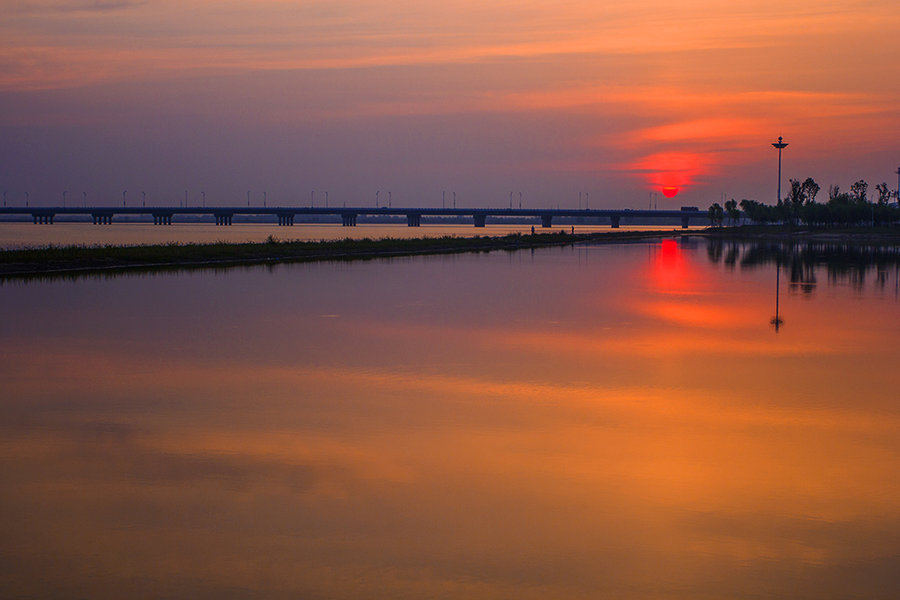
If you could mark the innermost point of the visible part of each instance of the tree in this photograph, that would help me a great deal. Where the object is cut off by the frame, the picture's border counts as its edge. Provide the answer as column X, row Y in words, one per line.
column 834, row 192
column 734, row 214
column 884, row 194
column 794, row 202
column 810, row 189
column 758, row 212
column 858, row 191
column 716, row 214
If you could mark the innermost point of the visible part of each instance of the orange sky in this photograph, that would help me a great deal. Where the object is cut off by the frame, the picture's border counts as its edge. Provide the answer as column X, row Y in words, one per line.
column 419, row 97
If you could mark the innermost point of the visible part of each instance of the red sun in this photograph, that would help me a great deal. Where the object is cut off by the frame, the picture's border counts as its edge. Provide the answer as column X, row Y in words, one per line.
column 670, row 191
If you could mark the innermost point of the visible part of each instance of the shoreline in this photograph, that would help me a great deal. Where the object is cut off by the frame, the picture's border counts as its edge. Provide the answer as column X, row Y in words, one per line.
column 77, row 260
column 59, row 261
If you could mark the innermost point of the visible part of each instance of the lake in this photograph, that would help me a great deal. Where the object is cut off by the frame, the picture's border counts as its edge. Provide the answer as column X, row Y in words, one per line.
column 14, row 235
column 596, row 421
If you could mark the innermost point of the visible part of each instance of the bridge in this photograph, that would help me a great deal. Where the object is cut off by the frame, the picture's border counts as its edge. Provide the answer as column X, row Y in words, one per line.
column 285, row 215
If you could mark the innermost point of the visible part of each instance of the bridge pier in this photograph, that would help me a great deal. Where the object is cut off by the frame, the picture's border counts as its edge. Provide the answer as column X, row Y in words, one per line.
column 546, row 220
column 413, row 220
column 614, row 221
column 223, row 218
column 348, row 219
column 162, row 219
column 286, row 220
column 42, row 219
column 685, row 221
column 102, row 218
column 480, row 219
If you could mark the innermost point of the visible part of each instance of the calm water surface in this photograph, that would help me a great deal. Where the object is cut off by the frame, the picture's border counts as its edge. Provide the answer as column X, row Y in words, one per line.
column 21, row 235
column 617, row 421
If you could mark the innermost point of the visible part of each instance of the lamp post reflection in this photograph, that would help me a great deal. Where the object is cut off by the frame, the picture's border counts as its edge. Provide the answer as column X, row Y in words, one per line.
column 777, row 321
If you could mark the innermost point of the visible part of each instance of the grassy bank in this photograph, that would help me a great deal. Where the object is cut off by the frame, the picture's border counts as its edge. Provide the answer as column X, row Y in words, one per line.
column 62, row 260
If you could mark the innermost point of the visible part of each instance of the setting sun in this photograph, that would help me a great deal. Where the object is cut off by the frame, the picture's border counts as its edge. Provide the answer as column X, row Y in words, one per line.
column 670, row 191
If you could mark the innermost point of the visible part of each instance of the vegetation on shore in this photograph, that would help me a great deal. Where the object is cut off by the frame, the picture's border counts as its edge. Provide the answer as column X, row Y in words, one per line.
column 842, row 209
column 30, row 262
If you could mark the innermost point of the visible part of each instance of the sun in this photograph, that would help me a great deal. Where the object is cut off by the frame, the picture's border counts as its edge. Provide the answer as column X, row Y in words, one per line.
column 670, row 191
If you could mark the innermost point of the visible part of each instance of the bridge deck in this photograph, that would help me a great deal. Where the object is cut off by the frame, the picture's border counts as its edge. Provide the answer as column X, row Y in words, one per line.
column 162, row 215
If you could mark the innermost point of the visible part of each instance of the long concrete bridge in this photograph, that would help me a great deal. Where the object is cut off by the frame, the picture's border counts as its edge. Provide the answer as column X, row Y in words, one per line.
column 223, row 215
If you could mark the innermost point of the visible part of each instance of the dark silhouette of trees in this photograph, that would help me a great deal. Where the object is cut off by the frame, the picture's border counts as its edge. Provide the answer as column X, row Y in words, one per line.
column 799, row 205
column 716, row 214
column 759, row 212
column 884, row 194
column 810, row 190
column 731, row 209
column 858, row 191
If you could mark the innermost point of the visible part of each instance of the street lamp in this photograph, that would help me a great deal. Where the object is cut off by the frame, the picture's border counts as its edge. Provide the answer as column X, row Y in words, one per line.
column 123, row 197
column 780, row 145
column 64, row 197
column 898, row 185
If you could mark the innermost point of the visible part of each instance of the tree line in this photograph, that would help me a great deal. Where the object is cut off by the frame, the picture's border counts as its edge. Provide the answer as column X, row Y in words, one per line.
column 800, row 206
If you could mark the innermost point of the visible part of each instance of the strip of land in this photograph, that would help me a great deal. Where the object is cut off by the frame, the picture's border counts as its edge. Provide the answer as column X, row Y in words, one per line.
column 76, row 260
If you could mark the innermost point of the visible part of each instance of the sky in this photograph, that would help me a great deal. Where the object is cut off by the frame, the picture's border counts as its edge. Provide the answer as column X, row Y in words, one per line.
column 574, row 103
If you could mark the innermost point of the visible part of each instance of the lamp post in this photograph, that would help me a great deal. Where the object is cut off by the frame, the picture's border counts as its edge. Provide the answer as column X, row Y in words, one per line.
column 780, row 145
column 898, row 185
column 123, row 197
column 65, row 192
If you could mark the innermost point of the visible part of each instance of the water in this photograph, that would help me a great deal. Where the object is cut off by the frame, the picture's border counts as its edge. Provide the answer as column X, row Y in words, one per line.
column 615, row 421
column 21, row 234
